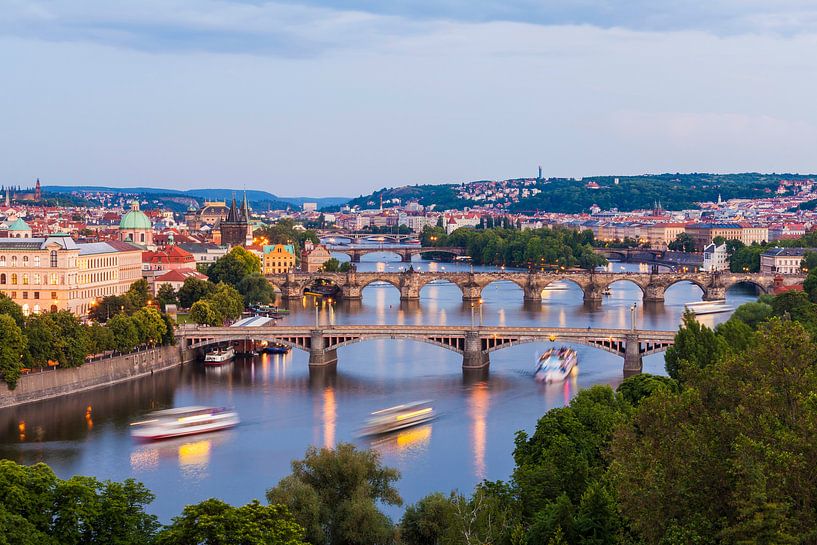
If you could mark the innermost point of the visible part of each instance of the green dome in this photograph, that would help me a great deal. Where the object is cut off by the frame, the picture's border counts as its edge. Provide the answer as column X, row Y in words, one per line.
column 19, row 225
column 135, row 219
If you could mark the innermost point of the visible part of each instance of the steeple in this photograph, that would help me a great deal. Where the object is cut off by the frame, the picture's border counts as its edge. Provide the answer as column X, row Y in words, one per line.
column 245, row 208
column 232, row 215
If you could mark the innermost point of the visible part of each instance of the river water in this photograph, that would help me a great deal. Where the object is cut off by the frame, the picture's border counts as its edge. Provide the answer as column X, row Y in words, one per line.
column 284, row 408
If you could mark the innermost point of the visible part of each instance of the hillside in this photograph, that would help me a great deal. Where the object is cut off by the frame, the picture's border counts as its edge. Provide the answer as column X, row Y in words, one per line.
column 674, row 191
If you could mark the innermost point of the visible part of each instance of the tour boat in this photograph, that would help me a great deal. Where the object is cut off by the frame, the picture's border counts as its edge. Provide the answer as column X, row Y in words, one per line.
column 219, row 356
column 556, row 286
column 183, row 421
column 398, row 417
column 709, row 307
column 555, row 365
column 607, row 291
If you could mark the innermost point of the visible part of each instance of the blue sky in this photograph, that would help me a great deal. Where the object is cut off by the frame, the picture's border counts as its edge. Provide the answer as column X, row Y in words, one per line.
column 342, row 97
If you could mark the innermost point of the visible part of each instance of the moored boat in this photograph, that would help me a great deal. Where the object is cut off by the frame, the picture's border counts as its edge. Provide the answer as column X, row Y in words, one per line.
column 219, row 356
column 555, row 365
column 398, row 417
column 277, row 348
column 183, row 421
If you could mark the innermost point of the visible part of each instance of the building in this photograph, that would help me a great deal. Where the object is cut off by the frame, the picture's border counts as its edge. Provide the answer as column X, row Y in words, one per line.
column 783, row 260
column 204, row 252
column 135, row 227
column 310, row 206
column 15, row 229
column 278, row 258
column 704, row 233
column 155, row 263
column 314, row 256
column 57, row 273
column 235, row 229
column 660, row 235
column 211, row 214
column 176, row 278
column 715, row 258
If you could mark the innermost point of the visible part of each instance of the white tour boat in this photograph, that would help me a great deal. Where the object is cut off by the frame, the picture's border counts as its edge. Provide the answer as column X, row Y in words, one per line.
column 555, row 365
column 709, row 307
column 398, row 418
column 219, row 356
column 183, row 421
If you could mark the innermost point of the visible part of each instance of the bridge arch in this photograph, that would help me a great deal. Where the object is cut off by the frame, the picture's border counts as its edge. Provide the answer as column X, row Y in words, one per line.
column 609, row 285
column 282, row 339
column 397, row 338
column 729, row 284
column 690, row 279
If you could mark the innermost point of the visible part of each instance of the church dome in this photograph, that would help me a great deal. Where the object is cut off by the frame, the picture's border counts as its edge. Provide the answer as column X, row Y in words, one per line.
column 135, row 219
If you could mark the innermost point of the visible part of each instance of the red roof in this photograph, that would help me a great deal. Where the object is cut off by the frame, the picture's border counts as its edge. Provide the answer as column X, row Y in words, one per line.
column 170, row 254
column 179, row 276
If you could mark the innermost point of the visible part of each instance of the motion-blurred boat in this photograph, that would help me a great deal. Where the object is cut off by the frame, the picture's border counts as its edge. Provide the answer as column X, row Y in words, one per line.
column 555, row 365
column 183, row 421
column 709, row 307
column 398, row 417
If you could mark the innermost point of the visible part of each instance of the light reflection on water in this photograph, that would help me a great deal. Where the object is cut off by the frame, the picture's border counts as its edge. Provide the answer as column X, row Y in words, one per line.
column 285, row 407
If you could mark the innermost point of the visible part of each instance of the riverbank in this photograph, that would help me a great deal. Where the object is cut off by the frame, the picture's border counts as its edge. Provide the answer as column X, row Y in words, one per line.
column 94, row 374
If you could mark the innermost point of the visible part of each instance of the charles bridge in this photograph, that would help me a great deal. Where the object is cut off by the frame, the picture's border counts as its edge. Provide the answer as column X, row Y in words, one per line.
column 593, row 284
column 474, row 343
column 405, row 252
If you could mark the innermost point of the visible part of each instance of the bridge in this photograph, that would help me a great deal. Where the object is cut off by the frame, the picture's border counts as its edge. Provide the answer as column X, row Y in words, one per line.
column 667, row 258
column 366, row 237
column 475, row 344
column 406, row 252
column 593, row 284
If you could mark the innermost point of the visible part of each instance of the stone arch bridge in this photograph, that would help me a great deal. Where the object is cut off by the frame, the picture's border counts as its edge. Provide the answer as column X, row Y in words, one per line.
column 405, row 252
column 475, row 344
column 593, row 284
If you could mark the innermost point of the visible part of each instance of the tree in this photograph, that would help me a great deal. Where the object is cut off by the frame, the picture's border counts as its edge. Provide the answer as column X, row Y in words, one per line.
column 331, row 265
column 746, row 258
column 10, row 308
column 597, row 520
column 166, row 295
column 256, row 289
column 125, row 334
column 11, row 349
column 333, row 494
column 202, row 313
column 695, row 346
column 753, row 314
column 41, row 332
column 102, row 338
column 72, row 340
column 111, row 306
column 150, row 326
column 213, row 522
column 809, row 262
column 796, row 305
column 138, row 293
column 637, row 387
column 232, row 267
column 737, row 335
column 79, row 511
column 683, row 243
column 427, row 521
column 194, row 290
column 729, row 458
column 226, row 302
column 810, row 284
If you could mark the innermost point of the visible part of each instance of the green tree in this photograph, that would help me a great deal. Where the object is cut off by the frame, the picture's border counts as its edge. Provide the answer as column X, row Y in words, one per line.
column 41, row 332
column 810, row 284
column 37, row 507
column 333, row 494
column 796, row 305
column 635, row 388
column 111, row 306
column 102, row 338
column 202, row 313
column 746, row 258
column 73, row 341
column 695, row 346
column 753, row 314
column 11, row 349
column 427, row 522
column 256, row 289
column 10, row 308
column 683, row 243
column 234, row 266
column 194, row 290
column 138, row 293
column 597, row 519
column 729, row 458
column 736, row 333
column 809, row 262
column 125, row 334
column 150, row 326
column 213, row 522
column 166, row 295
column 226, row 302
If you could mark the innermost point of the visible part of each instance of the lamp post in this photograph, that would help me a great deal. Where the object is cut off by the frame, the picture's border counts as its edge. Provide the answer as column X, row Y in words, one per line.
column 480, row 312
column 317, row 322
column 472, row 315
column 632, row 316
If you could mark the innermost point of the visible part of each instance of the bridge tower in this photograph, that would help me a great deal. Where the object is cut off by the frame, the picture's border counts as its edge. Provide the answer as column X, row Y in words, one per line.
column 472, row 356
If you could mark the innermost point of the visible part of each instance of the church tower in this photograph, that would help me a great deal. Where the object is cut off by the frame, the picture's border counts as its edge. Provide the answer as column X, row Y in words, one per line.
column 38, row 194
column 234, row 229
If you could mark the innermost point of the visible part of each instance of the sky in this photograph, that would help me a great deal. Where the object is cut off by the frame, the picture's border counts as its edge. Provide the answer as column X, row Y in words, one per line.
column 342, row 97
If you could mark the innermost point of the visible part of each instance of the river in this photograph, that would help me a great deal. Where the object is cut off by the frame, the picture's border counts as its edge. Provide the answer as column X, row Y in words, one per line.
column 284, row 408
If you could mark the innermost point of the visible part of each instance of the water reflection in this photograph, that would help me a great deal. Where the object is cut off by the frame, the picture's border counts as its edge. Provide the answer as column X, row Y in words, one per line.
column 478, row 402
column 329, row 415
column 410, row 442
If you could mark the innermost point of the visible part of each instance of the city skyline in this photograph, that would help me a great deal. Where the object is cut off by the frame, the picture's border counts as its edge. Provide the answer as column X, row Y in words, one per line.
column 347, row 97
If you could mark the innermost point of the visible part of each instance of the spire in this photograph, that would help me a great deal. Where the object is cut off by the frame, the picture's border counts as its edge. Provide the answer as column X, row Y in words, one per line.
column 232, row 215
column 245, row 209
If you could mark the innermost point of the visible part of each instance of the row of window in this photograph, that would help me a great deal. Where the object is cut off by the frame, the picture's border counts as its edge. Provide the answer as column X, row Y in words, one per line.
column 34, row 295
column 38, row 279
column 25, row 261
column 98, row 262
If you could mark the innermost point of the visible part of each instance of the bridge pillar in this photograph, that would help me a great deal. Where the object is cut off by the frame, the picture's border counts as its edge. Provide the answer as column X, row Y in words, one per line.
column 593, row 293
column 654, row 293
column 354, row 257
column 350, row 292
column 632, row 355
column 473, row 357
column 471, row 292
column 714, row 293
column 318, row 355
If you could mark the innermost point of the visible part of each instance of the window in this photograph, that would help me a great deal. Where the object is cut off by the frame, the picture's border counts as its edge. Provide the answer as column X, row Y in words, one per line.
column 54, row 295
column 36, row 309
column 25, row 309
column 25, row 295
column 25, row 279
column 14, row 279
column 53, row 279
column 36, row 279
column 36, row 261
column 14, row 261
column 3, row 278
column 2, row 261
column 25, row 261
column 53, row 258
column 36, row 295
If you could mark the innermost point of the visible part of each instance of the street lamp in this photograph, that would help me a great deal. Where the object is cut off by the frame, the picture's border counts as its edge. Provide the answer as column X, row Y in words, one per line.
column 632, row 316
column 317, row 322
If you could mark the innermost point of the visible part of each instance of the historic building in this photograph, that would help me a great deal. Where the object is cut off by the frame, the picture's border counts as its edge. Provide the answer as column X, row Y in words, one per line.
column 210, row 216
column 314, row 256
column 156, row 263
column 15, row 229
column 136, row 227
column 783, row 260
column 278, row 258
column 57, row 273
column 235, row 229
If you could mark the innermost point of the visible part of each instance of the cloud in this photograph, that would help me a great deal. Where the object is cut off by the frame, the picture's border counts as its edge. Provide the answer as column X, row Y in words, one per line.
column 309, row 27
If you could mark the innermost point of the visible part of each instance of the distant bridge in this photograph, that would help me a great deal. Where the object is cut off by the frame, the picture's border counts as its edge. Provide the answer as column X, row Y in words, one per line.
column 474, row 343
column 366, row 237
column 405, row 251
column 593, row 284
